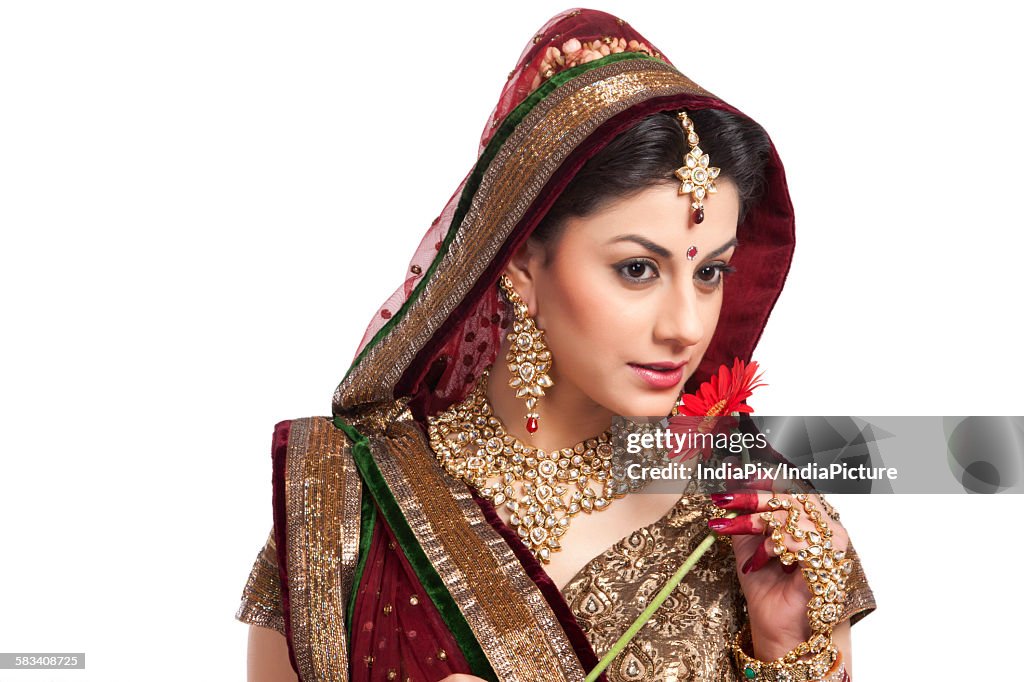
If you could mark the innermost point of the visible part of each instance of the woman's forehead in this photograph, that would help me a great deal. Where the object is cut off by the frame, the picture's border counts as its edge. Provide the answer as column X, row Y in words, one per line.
column 660, row 212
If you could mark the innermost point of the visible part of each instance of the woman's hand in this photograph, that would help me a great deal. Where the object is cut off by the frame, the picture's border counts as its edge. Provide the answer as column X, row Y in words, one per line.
column 776, row 595
column 461, row 677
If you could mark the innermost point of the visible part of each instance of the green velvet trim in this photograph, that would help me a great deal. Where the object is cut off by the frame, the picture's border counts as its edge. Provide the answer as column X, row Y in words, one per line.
column 425, row 572
column 473, row 183
column 367, row 519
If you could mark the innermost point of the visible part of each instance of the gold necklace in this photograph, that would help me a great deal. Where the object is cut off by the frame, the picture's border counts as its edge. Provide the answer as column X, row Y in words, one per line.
column 473, row 445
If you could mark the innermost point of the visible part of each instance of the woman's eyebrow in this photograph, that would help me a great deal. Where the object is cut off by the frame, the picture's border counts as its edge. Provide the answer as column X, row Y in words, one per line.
column 644, row 242
column 723, row 248
column 662, row 251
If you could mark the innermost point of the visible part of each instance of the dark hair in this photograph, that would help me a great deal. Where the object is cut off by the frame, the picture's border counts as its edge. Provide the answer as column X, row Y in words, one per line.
column 648, row 154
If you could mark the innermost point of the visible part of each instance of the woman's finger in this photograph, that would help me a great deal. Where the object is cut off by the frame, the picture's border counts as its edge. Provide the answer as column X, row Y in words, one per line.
column 753, row 523
column 756, row 517
column 747, row 500
column 744, row 524
column 739, row 500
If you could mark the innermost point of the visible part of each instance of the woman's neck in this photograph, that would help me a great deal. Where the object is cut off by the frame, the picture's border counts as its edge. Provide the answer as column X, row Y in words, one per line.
column 567, row 416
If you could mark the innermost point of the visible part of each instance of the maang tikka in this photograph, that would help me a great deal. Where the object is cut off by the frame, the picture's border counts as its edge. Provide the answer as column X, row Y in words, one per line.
column 528, row 358
column 696, row 176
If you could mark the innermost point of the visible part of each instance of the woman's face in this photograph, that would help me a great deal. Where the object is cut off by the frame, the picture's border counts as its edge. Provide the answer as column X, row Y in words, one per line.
column 626, row 313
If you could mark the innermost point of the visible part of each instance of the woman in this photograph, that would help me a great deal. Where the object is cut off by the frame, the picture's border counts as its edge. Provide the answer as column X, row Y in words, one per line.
column 576, row 273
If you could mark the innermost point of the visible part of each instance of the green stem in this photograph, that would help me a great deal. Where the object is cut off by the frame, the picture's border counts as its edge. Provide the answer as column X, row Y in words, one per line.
column 617, row 648
column 662, row 595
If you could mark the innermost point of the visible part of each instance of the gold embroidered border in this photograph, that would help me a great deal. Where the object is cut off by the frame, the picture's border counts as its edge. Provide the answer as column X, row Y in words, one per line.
column 322, row 500
column 860, row 600
column 518, row 631
column 261, row 597
column 514, row 178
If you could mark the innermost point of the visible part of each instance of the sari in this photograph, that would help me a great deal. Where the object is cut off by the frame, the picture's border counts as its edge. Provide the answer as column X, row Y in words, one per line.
column 380, row 565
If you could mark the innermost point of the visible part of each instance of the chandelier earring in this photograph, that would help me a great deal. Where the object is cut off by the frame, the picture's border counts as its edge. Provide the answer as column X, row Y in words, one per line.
column 528, row 358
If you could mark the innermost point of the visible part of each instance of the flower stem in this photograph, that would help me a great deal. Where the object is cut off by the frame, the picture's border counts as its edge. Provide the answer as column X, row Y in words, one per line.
column 662, row 595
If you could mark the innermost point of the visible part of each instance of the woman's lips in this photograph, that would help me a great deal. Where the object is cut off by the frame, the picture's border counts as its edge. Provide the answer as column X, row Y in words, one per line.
column 660, row 378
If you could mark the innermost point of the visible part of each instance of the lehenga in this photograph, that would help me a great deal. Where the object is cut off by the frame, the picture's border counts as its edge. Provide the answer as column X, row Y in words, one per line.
column 381, row 566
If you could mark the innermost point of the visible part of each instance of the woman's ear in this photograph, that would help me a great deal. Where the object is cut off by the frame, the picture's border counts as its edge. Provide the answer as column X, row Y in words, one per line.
column 523, row 269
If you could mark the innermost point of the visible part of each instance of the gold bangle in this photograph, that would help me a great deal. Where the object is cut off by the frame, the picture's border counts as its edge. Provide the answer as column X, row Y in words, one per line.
column 822, row 664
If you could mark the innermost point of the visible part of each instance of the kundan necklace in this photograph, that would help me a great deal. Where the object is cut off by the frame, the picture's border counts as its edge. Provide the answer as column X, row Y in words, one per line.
column 473, row 445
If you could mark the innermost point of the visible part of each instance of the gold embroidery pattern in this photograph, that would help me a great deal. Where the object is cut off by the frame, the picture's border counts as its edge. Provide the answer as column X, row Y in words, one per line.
column 512, row 181
column 261, row 597
column 687, row 637
column 504, row 608
column 860, row 600
column 322, row 487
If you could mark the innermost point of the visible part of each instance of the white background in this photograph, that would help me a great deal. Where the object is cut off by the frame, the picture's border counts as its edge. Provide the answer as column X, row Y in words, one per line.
column 203, row 203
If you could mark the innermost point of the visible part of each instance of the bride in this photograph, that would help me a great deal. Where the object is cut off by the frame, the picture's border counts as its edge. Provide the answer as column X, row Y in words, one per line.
column 623, row 234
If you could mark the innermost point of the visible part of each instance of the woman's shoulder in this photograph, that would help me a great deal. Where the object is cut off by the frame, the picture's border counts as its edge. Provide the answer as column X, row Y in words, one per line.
column 311, row 458
column 309, row 442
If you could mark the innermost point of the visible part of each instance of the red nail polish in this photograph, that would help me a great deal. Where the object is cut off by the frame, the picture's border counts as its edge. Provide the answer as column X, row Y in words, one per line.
column 746, row 501
column 746, row 565
column 719, row 524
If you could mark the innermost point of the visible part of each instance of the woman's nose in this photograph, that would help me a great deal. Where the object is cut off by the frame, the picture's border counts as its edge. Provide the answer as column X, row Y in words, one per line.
column 680, row 319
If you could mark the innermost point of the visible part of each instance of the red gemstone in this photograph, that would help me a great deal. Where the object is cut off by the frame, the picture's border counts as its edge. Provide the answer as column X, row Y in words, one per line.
column 699, row 216
column 691, row 253
column 531, row 424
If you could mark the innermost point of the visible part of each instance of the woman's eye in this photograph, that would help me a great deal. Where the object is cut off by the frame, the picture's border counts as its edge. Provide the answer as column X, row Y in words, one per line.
column 712, row 274
column 638, row 271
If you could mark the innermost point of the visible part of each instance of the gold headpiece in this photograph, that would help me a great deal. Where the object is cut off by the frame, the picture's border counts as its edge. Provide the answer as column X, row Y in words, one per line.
column 696, row 177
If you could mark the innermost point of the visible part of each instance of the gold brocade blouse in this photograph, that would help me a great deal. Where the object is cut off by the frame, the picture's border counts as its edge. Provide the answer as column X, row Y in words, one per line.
column 684, row 640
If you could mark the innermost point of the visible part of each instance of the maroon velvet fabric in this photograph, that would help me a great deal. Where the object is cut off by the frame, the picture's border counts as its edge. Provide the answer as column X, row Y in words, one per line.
column 278, row 453
column 406, row 639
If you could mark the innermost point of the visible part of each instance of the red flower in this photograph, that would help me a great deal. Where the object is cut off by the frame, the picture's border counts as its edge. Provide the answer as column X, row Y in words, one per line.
column 724, row 393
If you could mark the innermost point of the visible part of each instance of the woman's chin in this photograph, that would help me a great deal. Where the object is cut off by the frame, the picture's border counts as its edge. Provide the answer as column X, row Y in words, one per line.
column 648, row 406
column 631, row 397
column 657, row 402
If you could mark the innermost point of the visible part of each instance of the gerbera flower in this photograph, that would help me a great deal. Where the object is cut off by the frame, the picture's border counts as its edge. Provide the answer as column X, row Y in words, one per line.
column 711, row 409
column 724, row 392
